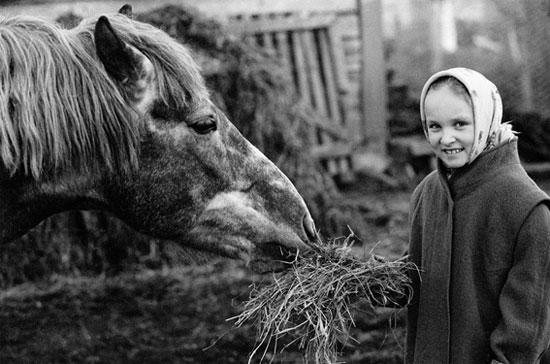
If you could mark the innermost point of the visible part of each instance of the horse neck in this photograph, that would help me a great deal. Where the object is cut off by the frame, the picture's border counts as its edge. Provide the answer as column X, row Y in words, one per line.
column 25, row 203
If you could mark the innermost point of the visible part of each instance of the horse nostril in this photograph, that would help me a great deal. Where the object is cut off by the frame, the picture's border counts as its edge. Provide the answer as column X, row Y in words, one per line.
column 309, row 227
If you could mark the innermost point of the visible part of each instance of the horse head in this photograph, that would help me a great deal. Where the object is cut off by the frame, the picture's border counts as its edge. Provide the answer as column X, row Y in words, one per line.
column 115, row 115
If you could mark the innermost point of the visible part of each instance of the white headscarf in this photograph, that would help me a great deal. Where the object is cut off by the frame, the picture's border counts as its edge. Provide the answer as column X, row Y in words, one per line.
column 487, row 106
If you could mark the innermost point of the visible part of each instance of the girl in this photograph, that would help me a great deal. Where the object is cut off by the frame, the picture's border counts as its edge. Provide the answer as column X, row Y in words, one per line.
column 480, row 233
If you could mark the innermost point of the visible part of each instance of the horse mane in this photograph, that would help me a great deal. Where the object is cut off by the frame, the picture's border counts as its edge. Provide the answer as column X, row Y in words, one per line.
column 59, row 108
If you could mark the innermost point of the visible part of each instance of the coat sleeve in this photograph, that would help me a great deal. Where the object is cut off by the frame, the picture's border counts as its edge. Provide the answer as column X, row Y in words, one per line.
column 393, row 300
column 523, row 334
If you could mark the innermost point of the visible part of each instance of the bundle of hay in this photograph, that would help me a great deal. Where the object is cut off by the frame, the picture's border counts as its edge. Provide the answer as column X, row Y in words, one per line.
column 312, row 302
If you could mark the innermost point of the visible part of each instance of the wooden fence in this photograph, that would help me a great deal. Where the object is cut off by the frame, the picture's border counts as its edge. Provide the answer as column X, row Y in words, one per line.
column 311, row 52
column 329, row 61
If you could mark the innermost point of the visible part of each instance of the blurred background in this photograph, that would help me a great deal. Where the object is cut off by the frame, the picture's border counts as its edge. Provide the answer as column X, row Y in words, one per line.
column 329, row 91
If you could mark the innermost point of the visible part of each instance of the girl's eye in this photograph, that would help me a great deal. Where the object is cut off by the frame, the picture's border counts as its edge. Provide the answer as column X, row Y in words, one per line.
column 433, row 126
column 204, row 125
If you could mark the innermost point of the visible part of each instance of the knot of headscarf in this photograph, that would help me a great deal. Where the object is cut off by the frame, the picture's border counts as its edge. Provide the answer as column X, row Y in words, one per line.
column 489, row 130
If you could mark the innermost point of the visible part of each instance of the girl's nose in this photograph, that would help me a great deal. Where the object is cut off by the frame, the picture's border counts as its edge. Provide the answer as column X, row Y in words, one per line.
column 447, row 138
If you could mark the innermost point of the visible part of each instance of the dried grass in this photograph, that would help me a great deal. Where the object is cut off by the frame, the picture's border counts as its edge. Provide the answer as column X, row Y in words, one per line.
column 312, row 303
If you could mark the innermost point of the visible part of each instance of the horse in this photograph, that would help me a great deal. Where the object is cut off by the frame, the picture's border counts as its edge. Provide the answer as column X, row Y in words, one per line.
column 114, row 115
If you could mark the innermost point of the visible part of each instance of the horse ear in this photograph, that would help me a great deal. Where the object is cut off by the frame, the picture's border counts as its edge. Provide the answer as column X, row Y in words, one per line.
column 117, row 58
column 127, row 10
column 124, row 63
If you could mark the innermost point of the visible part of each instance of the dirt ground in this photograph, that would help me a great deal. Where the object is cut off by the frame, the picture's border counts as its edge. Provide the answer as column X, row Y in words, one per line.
column 157, row 317
column 183, row 315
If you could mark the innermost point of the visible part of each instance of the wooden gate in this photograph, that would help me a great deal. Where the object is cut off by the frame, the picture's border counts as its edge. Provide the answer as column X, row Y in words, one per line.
column 311, row 51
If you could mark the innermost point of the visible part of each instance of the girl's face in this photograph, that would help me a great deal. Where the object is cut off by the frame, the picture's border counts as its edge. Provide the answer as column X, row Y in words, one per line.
column 450, row 122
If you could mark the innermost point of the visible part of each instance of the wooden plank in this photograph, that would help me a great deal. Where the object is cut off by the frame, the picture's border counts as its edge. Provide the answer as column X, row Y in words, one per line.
column 280, row 25
column 283, row 50
column 373, row 76
column 338, row 56
column 329, row 77
column 334, row 105
column 267, row 39
column 325, row 124
column 314, row 74
column 313, row 71
column 301, row 75
column 348, row 96
column 302, row 81
column 273, row 6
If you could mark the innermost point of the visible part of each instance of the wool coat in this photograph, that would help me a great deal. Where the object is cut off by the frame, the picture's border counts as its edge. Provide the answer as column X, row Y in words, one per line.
column 481, row 239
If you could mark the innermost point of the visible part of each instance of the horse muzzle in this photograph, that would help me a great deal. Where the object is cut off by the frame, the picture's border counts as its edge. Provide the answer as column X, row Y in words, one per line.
column 279, row 254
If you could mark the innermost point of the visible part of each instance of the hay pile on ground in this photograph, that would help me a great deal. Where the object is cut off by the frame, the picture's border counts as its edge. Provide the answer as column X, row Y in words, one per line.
column 312, row 303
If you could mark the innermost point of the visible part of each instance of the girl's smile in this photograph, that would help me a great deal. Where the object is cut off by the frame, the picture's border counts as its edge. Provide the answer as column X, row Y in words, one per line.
column 450, row 122
column 453, row 151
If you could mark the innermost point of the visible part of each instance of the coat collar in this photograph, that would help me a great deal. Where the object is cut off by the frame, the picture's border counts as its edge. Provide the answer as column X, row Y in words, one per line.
column 488, row 163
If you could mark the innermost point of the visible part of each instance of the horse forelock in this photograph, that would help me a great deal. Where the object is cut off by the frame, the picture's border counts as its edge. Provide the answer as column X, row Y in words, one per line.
column 60, row 110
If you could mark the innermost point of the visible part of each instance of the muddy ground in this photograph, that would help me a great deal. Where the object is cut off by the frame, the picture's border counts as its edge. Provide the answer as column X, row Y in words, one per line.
column 181, row 315
column 156, row 317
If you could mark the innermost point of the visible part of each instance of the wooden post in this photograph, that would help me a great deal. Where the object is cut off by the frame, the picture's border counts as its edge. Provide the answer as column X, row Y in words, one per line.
column 435, row 37
column 442, row 32
column 373, row 76
column 519, row 54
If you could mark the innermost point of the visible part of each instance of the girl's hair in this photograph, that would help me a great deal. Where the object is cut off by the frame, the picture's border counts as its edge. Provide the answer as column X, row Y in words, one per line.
column 454, row 84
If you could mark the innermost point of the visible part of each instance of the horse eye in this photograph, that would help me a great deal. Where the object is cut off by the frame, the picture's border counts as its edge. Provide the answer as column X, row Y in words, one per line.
column 204, row 125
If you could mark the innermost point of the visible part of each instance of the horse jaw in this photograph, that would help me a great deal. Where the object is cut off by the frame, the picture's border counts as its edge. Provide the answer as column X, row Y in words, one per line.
column 236, row 225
